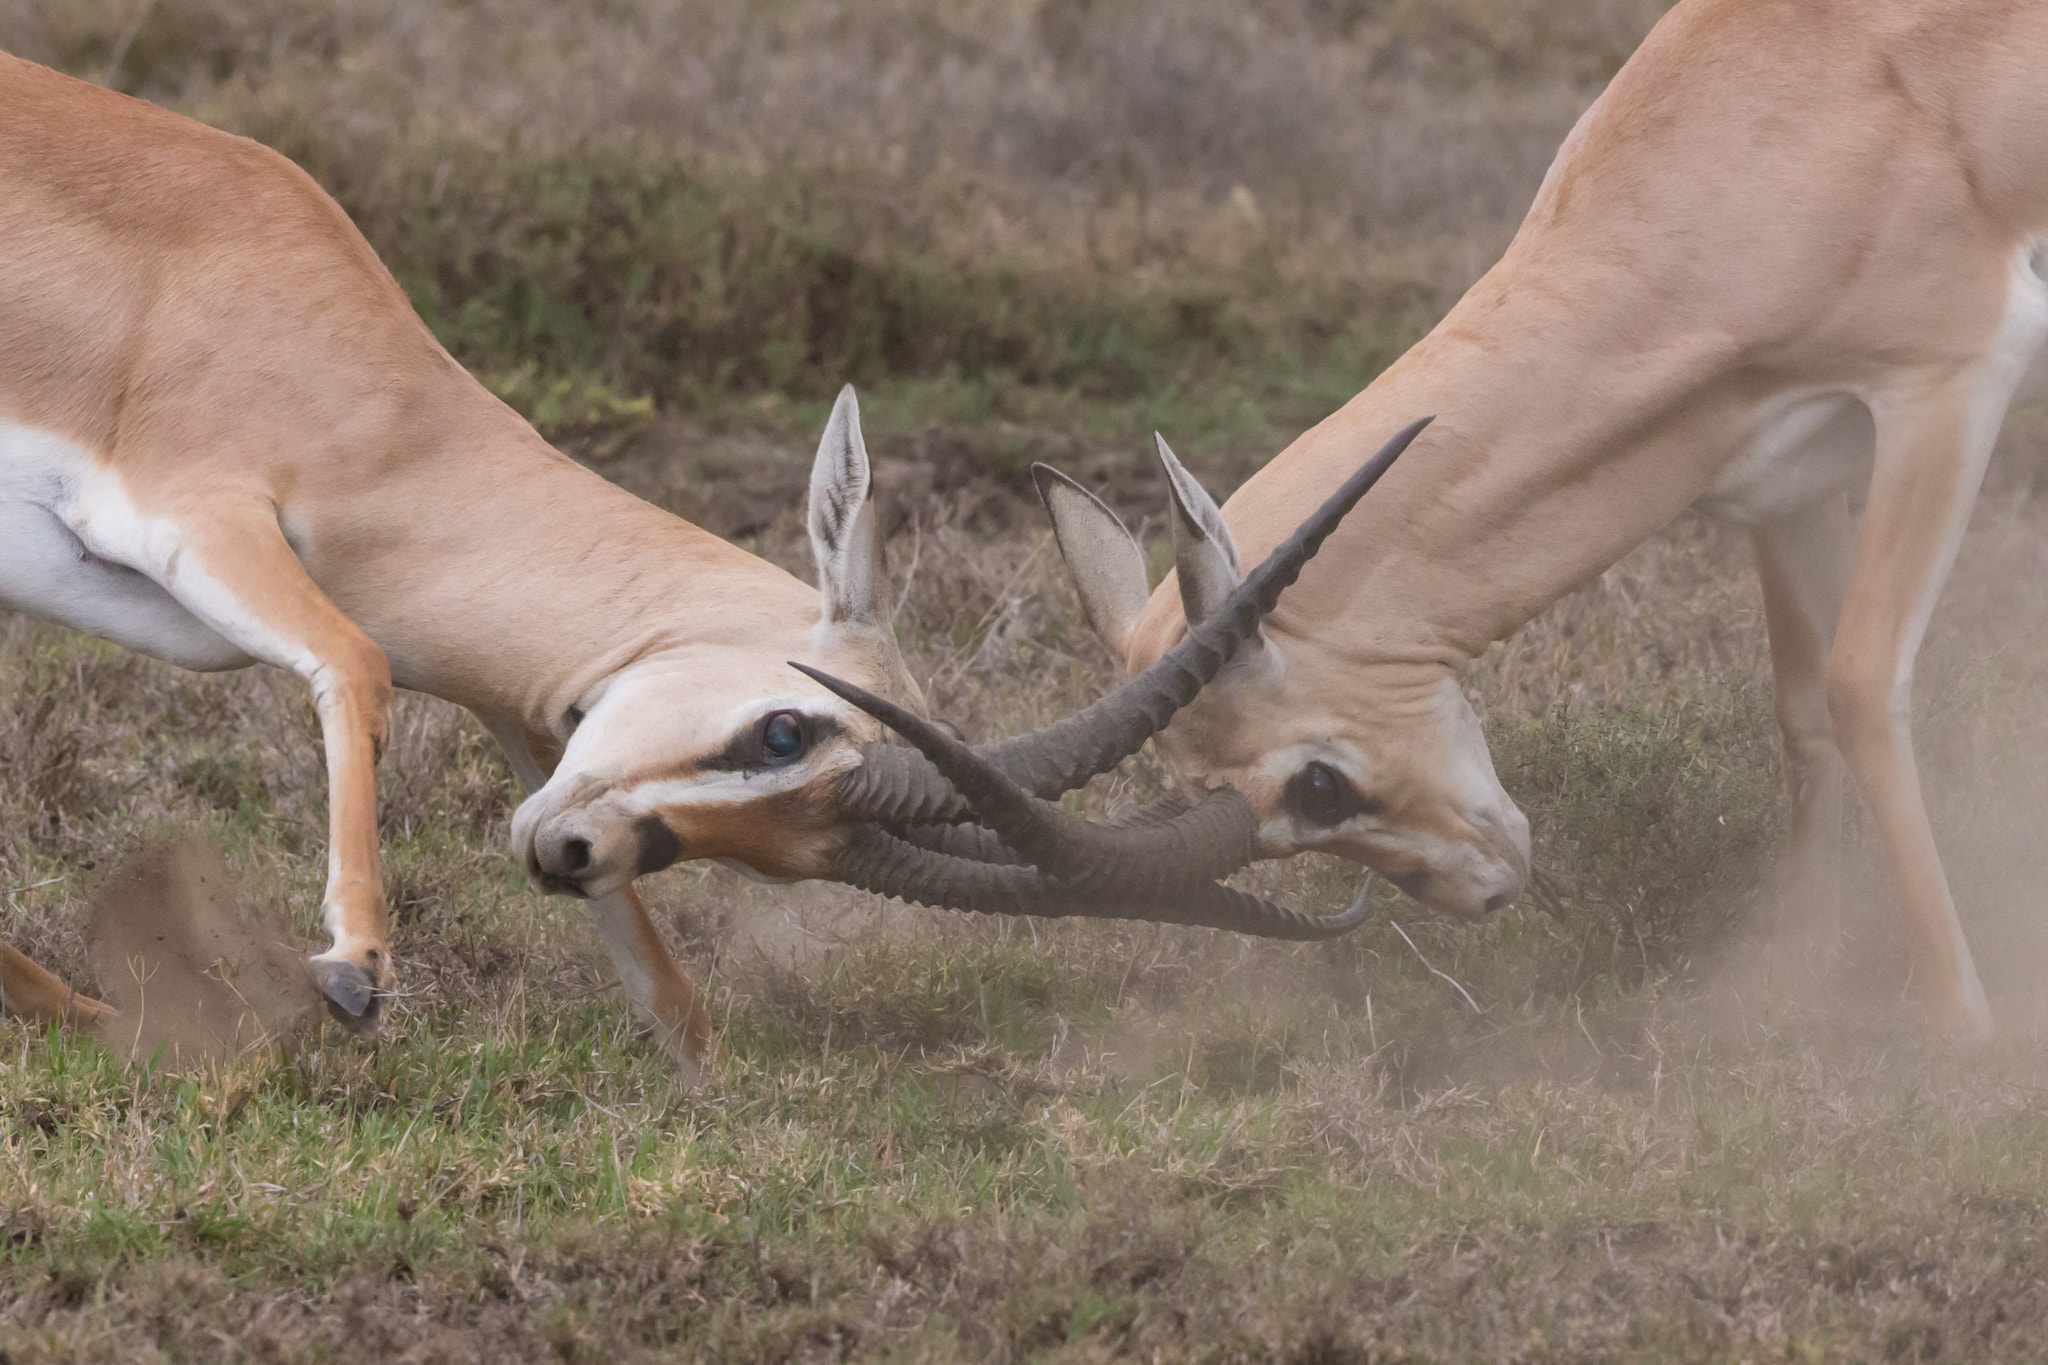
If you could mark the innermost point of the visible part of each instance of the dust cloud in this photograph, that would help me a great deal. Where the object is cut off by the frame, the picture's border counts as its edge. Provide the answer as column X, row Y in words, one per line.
column 193, row 974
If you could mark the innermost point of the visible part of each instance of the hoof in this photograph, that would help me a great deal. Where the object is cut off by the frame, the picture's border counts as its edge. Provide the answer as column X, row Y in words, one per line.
column 352, row 997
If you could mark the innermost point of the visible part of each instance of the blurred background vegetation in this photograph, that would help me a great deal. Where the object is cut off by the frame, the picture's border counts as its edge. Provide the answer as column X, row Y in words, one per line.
column 1214, row 215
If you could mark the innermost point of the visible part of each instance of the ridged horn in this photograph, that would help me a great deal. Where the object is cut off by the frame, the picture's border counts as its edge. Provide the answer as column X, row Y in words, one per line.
column 1063, row 756
column 1213, row 839
column 878, row 861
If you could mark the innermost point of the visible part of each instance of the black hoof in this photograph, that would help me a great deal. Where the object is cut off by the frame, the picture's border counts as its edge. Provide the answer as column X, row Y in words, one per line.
column 351, row 996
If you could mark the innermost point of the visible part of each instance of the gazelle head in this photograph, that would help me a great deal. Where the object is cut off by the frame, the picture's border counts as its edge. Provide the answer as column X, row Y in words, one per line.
column 710, row 745
column 713, row 748
column 1380, row 762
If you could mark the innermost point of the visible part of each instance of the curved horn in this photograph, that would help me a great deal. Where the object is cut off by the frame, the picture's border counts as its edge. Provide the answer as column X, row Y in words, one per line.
column 898, row 787
column 875, row 860
column 1213, row 839
column 1065, row 755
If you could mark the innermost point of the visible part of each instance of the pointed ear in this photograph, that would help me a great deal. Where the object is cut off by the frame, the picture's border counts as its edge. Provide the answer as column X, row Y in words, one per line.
column 842, row 519
column 1106, row 565
column 1204, row 555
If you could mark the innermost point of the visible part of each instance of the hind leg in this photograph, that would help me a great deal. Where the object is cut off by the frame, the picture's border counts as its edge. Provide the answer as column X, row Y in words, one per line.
column 28, row 991
column 1803, row 561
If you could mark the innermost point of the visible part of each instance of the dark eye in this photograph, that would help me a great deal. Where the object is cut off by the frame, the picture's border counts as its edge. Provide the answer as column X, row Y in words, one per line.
column 1320, row 795
column 782, row 737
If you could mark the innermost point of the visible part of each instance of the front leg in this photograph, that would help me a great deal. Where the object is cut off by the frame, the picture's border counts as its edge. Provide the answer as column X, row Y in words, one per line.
column 1932, row 445
column 227, row 562
column 661, row 994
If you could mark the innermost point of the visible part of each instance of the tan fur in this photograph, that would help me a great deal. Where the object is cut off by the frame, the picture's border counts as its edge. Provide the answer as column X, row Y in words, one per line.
column 275, row 438
column 1773, row 197
column 32, row 992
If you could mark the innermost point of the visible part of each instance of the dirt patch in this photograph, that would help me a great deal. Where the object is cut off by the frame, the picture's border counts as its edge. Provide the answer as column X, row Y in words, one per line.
column 193, row 974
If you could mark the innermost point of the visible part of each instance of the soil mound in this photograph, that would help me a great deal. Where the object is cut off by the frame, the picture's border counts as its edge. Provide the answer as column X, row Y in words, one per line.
column 193, row 974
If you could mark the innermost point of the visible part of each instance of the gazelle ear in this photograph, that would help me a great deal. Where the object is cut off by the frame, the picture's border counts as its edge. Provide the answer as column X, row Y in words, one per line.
column 1106, row 565
column 1204, row 555
column 842, row 518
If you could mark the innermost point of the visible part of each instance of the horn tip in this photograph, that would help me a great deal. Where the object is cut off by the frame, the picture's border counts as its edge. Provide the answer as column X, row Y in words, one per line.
column 837, row 686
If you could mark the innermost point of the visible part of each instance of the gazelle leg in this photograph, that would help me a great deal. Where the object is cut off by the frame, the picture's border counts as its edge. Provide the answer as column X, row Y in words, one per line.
column 661, row 994
column 241, row 578
column 1931, row 450
column 1803, row 561
column 29, row 991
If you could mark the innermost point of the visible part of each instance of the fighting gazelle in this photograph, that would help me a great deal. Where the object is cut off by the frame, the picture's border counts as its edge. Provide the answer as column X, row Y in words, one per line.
column 1792, row 253
column 226, row 438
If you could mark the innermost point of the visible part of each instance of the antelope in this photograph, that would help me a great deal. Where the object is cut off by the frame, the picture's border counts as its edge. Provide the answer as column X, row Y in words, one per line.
column 226, row 438
column 1792, row 254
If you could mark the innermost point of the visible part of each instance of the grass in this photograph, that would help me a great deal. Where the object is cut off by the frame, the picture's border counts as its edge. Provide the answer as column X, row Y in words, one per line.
column 1567, row 1134
column 1585, row 1130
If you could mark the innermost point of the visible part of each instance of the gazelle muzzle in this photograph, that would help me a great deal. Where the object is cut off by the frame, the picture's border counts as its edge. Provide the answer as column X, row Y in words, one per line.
column 1158, row 866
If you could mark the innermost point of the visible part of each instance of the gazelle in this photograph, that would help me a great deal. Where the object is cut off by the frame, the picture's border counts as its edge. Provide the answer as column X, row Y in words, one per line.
column 1789, row 254
column 226, row 438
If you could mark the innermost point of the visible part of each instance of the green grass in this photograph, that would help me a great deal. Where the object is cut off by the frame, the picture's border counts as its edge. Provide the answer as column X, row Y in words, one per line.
column 1566, row 1136
column 1576, row 1132
column 528, row 1179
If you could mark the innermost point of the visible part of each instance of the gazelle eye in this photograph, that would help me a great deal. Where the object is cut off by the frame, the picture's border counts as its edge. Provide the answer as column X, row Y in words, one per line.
column 1320, row 795
column 782, row 737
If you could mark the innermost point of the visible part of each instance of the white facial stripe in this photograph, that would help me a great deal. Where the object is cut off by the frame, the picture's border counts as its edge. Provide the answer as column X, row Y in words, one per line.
column 711, row 789
column 810, row 705
column 1434, row 851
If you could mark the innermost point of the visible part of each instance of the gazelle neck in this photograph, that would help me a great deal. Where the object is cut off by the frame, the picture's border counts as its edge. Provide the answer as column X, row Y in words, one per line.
column 1561, row 441
column 527, row 579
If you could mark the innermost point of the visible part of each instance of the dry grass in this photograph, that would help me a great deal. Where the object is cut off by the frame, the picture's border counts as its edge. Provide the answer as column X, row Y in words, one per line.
column 932, row 1136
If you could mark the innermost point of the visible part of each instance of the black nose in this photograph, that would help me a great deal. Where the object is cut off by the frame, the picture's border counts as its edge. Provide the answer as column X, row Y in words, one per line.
column 560, row 857
column 1496, row 904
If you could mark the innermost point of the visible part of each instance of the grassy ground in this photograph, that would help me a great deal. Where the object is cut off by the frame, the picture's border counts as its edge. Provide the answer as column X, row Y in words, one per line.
column 1578, row 1132
column 1585, row 1130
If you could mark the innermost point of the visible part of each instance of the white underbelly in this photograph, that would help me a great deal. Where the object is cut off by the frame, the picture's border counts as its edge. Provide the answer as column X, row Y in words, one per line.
column 1806, row 444
column 47, row 570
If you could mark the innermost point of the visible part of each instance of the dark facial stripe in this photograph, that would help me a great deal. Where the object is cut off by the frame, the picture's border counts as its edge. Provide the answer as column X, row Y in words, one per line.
column 743, row 753
column 659, row 845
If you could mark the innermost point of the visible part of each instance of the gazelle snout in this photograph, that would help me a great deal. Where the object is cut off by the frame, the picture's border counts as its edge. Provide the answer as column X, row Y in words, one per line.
column 572, row 853
column 1482, row 874
column 562, row 852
